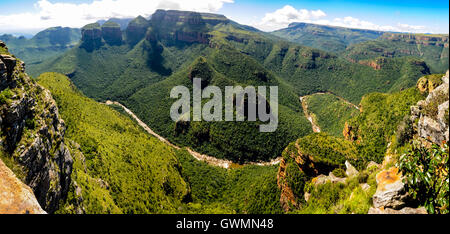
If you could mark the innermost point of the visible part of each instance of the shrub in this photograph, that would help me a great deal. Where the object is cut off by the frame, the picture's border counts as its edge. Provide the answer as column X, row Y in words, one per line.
column 426, row 176
column 339, row 172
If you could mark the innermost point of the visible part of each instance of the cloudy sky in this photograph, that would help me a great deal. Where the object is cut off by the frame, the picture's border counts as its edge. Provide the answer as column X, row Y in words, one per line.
column 31, row 16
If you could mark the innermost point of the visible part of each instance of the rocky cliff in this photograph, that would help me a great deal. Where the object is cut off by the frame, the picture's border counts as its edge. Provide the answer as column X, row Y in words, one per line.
column 111, row 33
column 32, row 134
column 418, row 39
column 431, row 116
column 91, row 37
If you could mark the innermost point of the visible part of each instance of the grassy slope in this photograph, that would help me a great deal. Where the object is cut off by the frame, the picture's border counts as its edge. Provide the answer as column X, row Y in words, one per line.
column 142, row 174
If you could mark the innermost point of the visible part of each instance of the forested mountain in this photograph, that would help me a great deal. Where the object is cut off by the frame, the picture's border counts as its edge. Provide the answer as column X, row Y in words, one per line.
column 359, row 110
column 324, row 37
column 44, row 45
column 140, row 65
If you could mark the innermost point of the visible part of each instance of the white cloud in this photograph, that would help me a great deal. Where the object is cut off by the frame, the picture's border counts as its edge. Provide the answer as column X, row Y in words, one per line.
column 281, row 18
column 51, row 14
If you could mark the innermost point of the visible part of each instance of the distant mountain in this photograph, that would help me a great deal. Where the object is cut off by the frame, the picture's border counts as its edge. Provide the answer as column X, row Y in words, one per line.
column 140, row 66
column 123, row 23
column 328, row 38
column 44, row 45
column 433, row 49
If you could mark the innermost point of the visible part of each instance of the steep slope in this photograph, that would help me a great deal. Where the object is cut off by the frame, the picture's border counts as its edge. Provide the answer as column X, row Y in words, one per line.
column 327, row 38
column 118, row 167
column 330, row 112
column 32, row 133
column 44, row 45
column 433, row 49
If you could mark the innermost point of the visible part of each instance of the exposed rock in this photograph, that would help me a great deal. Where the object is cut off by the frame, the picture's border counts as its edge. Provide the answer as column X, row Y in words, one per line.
column 307, row 196
column 287, row 197
column 391, row 191
column 351, row 170
column 365, row 186
column 15, row 196
column 433, row 113
column 375, row 64
column 323, row 179
column 136, row 30
column 91, row 37
column 111, row 33
column 405, row 210
column 34, row 138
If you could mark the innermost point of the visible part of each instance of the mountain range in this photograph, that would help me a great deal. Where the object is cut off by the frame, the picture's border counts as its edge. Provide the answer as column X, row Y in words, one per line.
column 345, row 97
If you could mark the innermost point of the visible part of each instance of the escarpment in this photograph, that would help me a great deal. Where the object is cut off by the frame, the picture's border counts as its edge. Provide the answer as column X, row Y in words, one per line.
column 32, row 134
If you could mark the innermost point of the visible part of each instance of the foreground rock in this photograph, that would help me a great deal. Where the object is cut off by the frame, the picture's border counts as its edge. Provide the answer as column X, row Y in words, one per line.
column 391, row 191
column 32, row 134
column 406, row 210
column 15, row 196
column 433, row 113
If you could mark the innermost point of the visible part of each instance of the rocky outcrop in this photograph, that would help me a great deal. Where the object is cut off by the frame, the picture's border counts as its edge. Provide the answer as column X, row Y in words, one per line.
column 91, row 37
column 391, row 192
column 406, row 210
column 376, row 64
column 15, row 196
column 33, row 134
column 416, row 39
column 111, row 33
column 431, row 116
column 136, row 30
column 351, row 170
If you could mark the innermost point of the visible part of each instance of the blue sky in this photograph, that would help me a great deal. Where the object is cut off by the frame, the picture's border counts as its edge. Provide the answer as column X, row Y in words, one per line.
column 30, row 16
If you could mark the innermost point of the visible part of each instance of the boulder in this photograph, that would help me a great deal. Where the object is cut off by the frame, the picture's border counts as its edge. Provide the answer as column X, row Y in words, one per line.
column 391, row 192
column 405, row 210
column 351, row 170
column 15, row 196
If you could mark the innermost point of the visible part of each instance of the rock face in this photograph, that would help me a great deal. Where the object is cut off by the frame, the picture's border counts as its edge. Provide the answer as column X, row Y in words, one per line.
column 433, row 114
column 418, row 39
column 184, row 26
column 391, row 191
column 351, row 170
column 33, row 134
column 111, row 33
column 91, row 37
column 136, row 30
column 16, row 197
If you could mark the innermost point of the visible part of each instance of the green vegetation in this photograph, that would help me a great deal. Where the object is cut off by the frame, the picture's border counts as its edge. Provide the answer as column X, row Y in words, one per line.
column 426, row 176
column 328, row 38
column 339, row 198
column 436, row 55
column 328, row 150
column 249, row 190
column 331, row 112
column 123, row 169
column 45, row 45
column 140, row 74
column 381, row 114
